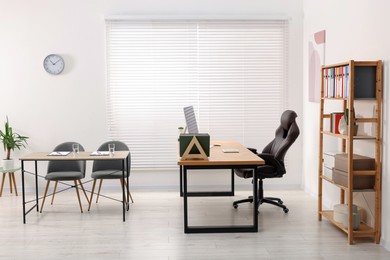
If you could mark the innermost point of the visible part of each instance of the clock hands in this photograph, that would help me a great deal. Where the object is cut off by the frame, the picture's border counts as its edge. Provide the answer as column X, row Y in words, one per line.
column 55, row 62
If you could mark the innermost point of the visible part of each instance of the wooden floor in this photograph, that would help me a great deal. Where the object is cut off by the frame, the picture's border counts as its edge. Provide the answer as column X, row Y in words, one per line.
column 154, row 230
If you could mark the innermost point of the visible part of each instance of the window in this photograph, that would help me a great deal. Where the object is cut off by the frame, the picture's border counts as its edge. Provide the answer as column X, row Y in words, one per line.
column 234, row 73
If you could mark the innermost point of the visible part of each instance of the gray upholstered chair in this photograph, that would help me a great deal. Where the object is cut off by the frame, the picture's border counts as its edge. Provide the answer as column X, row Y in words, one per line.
column 65, row 171
column 110, row 169
column 273, row 155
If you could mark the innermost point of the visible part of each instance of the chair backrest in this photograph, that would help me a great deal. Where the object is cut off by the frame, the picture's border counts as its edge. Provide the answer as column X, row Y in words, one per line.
column 64, row 166
column 111, row 164
column 285, row 136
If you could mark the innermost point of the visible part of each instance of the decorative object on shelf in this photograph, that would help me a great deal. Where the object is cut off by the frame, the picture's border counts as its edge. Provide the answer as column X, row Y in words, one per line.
column 343, row 124
column 11, row 141
column 54, row 64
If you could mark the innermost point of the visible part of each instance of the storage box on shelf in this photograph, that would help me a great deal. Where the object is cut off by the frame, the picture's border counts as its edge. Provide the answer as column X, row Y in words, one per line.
column 348, row 82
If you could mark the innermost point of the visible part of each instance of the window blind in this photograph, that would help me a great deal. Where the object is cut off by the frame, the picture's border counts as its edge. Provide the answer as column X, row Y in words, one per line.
column 234, row 73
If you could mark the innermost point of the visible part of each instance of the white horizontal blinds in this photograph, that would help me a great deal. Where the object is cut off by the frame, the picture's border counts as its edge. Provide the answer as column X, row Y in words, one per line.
column 242, row 79
column 150, row 79
column 232, row 72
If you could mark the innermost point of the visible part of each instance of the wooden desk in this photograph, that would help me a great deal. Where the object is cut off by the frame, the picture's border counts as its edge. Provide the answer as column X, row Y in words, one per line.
column 220, row 160
column 83, row 156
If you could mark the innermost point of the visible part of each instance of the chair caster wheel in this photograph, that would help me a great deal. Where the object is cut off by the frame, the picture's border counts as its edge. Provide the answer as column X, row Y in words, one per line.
column 286, row 210
column 235, row 206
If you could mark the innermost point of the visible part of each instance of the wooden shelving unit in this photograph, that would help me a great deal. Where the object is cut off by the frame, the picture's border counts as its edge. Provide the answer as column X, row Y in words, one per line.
column 357, row 83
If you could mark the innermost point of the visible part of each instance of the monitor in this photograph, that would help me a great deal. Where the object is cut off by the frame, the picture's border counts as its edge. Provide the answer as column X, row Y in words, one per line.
column 191, row 120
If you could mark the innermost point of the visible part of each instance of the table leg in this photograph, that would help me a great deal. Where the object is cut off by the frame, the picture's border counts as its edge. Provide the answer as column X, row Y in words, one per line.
column 127, row 185
column 23, row 194
column 2, row 184
column 255, row 201
column 14, row 181
column 10, row 182
column 36, row 185
column 181, row 181
column 232, row 181
column 123, row 191
column 185, row 201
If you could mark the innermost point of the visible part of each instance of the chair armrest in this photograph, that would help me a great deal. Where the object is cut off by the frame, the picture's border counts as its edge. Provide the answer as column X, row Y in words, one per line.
column 270, row 160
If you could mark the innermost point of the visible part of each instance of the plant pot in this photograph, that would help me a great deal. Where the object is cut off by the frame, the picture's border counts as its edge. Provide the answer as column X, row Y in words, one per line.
column 8, row 164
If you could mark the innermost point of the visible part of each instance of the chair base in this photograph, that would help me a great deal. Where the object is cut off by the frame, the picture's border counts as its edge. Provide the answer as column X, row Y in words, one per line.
column 270, row 200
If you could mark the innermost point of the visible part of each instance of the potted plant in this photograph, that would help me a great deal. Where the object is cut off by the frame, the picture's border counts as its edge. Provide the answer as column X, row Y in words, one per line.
column 11, row 141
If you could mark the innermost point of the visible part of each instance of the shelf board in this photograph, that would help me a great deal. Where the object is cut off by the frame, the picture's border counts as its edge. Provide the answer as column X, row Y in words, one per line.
column 364, row 173
column 355, row 137
column 366, row 120
column 330, row 98
column 363, row 231
column 343, row 187
column 331, row 181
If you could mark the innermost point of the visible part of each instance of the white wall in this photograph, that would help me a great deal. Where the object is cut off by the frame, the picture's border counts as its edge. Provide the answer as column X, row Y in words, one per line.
column 71, row 106
column 356, row 30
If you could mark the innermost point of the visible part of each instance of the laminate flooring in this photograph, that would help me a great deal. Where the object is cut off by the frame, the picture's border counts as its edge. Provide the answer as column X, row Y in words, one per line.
column 154, row 230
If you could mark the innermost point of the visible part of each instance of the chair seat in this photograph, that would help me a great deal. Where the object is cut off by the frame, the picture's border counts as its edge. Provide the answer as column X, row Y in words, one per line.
column 64, row 176
column 262, row 171
column 108, row 174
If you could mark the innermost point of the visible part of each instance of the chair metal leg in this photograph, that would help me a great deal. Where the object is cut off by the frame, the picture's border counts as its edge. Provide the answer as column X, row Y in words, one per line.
column 266, row 200
column 54, row 192
column 14, row 181
column 78, row 195
column 123, row 187
column 100, row 186
column 93, row 189
column 129, row 194
column 249, row 199
column 44, row 195
column 270, row 200
column 2, row 184
column 82, row 187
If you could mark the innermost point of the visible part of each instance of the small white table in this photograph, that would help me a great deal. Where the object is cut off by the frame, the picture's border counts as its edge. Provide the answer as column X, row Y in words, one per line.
column 11, row 174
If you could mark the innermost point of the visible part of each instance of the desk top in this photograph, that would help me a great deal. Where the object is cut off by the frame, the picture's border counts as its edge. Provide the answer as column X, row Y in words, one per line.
column 218, row 157
column 44, row 156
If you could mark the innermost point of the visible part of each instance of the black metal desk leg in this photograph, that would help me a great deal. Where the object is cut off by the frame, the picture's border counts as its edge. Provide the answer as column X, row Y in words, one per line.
column 123, row 190
column 255, row 201
column 36, row 185
column 127, row 183
column 185, row 201
column 181, row 181
column 232, row 182
column 23, row 195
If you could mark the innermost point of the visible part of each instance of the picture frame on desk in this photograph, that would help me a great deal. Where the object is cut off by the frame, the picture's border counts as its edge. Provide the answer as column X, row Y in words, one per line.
column 194, row 146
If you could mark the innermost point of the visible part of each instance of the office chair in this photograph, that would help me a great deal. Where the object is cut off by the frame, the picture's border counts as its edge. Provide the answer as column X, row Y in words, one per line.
column 65, row 171
column 110, row 170
column 273, row 155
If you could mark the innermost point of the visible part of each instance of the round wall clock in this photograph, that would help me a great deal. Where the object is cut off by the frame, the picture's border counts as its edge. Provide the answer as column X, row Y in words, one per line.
column 54, row 64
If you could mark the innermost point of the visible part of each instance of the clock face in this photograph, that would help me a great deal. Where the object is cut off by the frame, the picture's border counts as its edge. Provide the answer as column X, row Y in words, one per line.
column 54, row 64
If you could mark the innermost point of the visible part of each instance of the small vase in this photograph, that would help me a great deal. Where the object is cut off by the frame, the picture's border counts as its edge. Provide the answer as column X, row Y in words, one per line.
column 8, row 164
column 343, row 129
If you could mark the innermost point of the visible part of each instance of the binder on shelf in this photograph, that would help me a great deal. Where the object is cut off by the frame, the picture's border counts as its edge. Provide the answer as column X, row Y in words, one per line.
column 194, row 146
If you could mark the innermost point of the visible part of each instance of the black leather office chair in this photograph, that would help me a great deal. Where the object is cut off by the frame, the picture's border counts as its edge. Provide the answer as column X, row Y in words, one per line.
column 65, row 171
column 273, row 155
column 111, row 169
